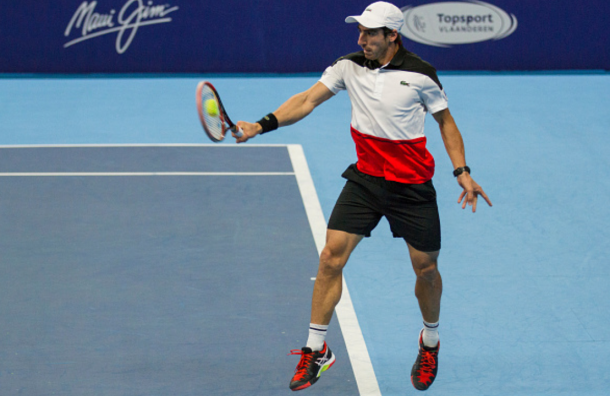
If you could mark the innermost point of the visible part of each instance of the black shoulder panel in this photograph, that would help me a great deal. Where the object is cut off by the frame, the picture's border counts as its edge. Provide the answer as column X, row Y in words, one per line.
column 356, row 57
column 403, row 60
column 408, row 61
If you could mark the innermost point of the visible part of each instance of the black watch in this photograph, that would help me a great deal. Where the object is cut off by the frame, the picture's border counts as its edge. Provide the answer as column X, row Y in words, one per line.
column 460, row 170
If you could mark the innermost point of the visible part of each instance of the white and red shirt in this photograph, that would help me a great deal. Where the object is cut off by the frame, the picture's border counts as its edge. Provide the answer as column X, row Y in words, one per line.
column 389, row 106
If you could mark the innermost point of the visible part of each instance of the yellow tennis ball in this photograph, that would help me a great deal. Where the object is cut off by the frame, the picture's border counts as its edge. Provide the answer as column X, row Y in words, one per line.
column 211, row 107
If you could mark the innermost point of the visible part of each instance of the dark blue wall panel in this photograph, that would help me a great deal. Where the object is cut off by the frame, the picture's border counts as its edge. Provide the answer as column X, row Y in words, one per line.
column 272, row 36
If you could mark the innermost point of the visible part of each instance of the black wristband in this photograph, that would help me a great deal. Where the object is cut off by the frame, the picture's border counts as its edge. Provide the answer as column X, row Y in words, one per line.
column 268, row 122
column 460, row 170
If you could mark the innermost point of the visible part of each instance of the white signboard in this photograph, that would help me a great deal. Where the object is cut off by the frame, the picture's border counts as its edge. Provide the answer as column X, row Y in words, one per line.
column 449, row 23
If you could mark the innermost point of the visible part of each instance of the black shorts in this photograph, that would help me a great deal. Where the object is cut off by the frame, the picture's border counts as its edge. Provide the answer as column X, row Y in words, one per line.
column 411, row 209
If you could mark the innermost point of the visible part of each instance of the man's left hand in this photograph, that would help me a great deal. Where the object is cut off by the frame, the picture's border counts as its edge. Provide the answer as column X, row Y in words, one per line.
column 471, row 192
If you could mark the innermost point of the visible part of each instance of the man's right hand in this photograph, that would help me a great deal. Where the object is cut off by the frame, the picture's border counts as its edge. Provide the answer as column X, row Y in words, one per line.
column 249, row 131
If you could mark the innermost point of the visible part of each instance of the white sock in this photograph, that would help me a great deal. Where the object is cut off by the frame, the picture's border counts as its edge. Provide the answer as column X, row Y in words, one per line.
column 317, row 335
column 430, row 334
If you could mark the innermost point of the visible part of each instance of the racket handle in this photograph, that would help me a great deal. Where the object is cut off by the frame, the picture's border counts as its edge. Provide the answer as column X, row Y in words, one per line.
column 237, row 131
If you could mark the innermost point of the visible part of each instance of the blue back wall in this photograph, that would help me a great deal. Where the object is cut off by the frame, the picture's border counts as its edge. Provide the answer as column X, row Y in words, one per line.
column 273, row 36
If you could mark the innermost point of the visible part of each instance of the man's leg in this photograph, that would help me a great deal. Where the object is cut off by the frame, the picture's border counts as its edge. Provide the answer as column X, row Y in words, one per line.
column 316, row 357
column 329, row 281
column 429, row 284
column 428, row 290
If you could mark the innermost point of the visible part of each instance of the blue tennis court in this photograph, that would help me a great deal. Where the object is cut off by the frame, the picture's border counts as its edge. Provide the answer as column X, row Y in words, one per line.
column 154, row 270
column 137, row 261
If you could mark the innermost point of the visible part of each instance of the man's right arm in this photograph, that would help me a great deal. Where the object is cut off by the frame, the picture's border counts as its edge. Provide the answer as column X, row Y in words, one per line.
column 293, row 110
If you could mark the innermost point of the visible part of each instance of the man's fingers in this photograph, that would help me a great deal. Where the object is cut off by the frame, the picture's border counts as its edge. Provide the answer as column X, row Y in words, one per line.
column 239, row 139
column 461, row 196
column 486, row 198
column 471, row 197
column 466, row 200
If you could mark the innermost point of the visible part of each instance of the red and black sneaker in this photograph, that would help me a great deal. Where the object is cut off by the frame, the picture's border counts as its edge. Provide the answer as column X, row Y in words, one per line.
column 311, row 366
column 424, row 370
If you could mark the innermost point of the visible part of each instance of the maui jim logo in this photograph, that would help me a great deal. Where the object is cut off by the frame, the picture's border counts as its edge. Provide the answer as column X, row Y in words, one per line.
column 126, row 23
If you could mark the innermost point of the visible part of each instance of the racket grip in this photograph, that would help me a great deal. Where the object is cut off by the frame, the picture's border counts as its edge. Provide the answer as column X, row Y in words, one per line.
column 238, row 131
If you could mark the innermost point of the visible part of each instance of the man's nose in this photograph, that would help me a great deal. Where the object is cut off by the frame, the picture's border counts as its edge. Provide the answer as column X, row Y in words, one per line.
column 361, row 40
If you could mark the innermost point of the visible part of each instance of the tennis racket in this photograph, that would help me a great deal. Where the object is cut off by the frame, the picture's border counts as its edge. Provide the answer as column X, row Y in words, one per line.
column 212, row 113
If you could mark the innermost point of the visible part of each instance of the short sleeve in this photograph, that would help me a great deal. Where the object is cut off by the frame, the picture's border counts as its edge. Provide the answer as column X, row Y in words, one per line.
column 433, row 96
column 333, row 78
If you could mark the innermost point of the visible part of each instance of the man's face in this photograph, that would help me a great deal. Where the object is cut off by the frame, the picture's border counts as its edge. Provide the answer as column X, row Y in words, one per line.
column 373, row 42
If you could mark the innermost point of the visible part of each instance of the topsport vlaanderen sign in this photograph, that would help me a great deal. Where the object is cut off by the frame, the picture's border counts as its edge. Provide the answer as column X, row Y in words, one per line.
column 450, row 23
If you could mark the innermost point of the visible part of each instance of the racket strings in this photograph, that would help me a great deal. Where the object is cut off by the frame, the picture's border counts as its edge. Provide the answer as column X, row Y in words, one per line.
column 214, row 123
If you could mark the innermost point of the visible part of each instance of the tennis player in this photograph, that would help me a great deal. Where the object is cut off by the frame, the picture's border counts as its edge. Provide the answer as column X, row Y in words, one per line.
column 391, row 90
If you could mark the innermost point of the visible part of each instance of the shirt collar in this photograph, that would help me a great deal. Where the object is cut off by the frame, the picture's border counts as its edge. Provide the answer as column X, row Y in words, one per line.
column 396, row 61
column 399, row 57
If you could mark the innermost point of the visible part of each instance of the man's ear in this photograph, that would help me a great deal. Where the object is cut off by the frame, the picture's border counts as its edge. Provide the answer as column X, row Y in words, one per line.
column 394, row 35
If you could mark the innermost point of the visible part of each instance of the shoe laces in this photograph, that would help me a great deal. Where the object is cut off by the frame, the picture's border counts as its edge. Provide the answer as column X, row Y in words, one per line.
column 427, row 365
column 304, row 363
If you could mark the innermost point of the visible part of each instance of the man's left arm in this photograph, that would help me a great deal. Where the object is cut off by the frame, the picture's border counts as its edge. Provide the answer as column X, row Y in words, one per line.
column 455, row 148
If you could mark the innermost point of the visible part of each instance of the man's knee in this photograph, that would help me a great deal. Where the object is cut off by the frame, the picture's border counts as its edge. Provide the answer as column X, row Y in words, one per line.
column 339, row 246
column 332, row 260
column 425, row 264
column 427, row 271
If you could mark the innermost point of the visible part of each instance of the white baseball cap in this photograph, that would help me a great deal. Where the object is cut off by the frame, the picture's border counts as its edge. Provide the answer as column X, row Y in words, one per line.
column 379, row 14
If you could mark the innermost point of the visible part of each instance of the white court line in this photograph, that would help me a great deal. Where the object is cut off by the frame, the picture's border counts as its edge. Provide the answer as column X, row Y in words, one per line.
column 56, row 174
column 354, row 341
column 127, row 145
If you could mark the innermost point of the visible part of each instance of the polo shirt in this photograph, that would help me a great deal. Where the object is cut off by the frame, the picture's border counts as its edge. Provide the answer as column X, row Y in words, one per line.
column 389, row 105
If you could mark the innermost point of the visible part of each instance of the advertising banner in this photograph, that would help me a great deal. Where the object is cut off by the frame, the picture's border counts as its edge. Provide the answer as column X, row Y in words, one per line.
column 273, row 36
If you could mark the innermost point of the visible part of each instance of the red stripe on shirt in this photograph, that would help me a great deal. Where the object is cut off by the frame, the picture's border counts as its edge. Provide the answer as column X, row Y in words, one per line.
column 404, row 161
